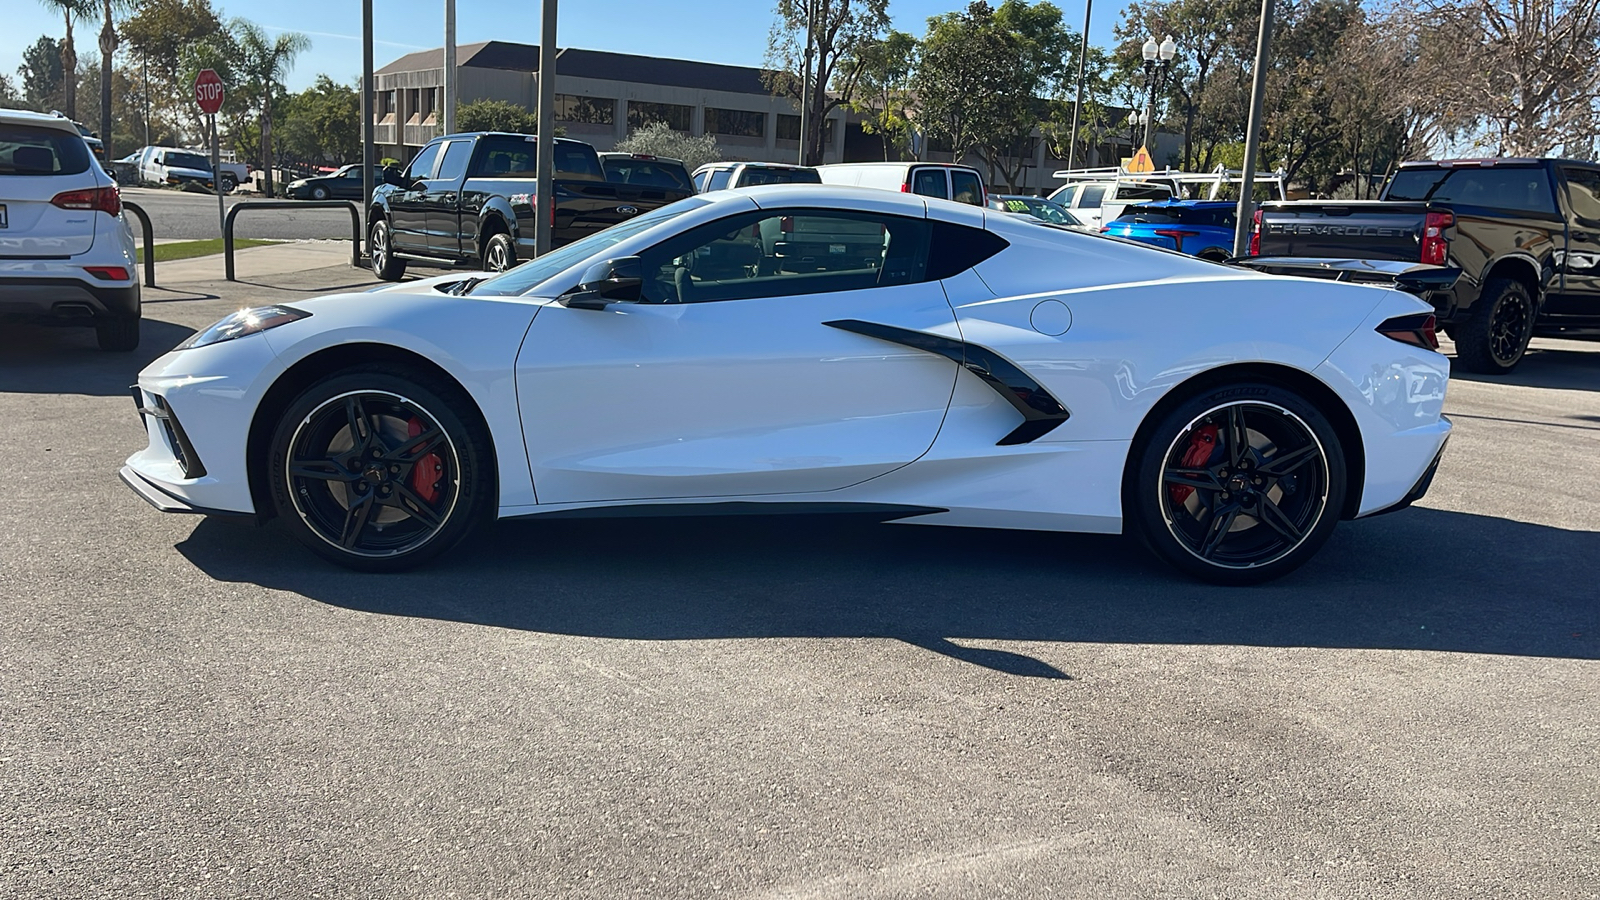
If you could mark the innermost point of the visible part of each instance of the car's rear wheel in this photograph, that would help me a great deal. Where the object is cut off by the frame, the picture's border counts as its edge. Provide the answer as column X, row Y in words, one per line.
column 1494, row 338
column 499, row 254
column 380, row 247
column 117, row 333
column 1239, row 484
column 374, row 470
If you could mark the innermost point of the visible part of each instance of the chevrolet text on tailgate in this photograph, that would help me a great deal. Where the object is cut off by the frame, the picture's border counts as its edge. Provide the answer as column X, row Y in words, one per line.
column 1525, row 234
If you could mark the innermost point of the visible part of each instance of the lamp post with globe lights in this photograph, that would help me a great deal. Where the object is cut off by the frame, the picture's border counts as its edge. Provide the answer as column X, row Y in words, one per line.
column 1157, row 69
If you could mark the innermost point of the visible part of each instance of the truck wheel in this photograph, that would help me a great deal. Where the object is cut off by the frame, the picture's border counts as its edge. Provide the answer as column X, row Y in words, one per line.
column 499, row 254
column 1493, row 339
column 384, row 265
column 229, row 182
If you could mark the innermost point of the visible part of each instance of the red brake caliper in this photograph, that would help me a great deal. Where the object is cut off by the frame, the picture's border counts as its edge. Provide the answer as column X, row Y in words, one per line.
column 1201, row 445
column 425, row 474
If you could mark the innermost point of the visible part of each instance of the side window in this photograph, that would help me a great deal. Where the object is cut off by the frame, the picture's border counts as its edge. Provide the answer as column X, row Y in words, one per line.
column 953, row 249
column 719, row 179
column 773, row 254
column 700, row 181
column 966, row 187
column 1583, row 192
column 454, row 164
column 1065, row 196
column 422, row 166
column 1091, row 195
column 930, row 183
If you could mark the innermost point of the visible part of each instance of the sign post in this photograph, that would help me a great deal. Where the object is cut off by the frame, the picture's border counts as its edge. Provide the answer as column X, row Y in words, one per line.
column 208, row 92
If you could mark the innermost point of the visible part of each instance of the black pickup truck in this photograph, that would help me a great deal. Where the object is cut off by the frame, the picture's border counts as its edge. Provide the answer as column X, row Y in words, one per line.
column 1525, row 234
column 470, row 198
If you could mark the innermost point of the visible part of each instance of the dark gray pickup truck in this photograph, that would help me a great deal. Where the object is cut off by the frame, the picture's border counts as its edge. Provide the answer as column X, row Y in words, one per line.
column 470, row 198
column 1525, row 234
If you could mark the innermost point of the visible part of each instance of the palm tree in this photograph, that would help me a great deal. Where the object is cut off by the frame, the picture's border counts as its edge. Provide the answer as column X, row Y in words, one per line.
column 108, row 49
column 266, row 61
column 70, row 9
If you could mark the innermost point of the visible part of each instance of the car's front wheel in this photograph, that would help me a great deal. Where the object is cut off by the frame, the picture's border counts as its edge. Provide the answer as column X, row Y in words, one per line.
column 1239, row 484
column 319, row 193
column 380, row 247
column 229, row 182
column 374, row 470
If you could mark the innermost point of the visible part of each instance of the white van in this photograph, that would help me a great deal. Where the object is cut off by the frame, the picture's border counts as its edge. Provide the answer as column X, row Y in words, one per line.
column 172, row 166
column 948, row 181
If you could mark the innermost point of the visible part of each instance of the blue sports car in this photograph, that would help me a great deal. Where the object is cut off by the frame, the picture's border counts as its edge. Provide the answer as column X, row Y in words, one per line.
column 1202, row 228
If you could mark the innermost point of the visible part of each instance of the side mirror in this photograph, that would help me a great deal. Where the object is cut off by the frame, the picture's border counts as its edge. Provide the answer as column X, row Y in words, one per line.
column 619, row 280
column 391, row 175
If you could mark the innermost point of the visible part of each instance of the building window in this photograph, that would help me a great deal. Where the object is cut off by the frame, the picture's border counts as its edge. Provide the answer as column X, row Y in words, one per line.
column 789, row 129
column 585, row 110
column 678, row 118
column 736, row 122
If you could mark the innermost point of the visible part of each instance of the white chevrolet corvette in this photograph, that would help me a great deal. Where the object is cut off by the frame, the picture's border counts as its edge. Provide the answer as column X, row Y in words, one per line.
column 831, row 347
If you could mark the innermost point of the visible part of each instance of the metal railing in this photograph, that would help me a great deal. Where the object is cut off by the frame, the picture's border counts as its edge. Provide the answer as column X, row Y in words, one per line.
column 149, row 243
column 355, row 224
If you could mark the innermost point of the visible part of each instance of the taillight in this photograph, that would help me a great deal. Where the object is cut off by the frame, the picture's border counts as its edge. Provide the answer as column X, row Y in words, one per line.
column 105, row 199
column 1104, row 229
column 1435, row 246
column 905, row 187
column 1177, row 236
column 1255, row 234
column 1417, row 329
column 108, row 273
column 786, row 224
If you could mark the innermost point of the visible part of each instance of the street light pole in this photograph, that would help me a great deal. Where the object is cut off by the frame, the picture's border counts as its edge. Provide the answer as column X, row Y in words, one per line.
column 1157, row 65
column 805, row 87
column 1244, row 213
column 545, row 187
column 1077, row 107
column 449, row 66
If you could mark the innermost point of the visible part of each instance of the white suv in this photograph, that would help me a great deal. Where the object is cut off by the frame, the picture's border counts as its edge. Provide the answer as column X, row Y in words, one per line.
column 66, row 253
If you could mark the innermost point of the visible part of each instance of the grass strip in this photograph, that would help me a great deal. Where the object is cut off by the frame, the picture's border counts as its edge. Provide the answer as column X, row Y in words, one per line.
column 192, row 249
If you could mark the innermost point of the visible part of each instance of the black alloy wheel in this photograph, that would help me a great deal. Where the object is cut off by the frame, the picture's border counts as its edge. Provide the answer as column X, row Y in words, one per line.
column 1240, row 486
column 1508, row 329
column 374, row 472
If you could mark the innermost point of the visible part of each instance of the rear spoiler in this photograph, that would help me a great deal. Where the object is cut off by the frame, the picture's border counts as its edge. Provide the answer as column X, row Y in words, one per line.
column 1413, row 278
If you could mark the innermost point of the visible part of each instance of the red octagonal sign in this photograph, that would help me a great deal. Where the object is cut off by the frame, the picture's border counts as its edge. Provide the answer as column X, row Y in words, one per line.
column 208, row 91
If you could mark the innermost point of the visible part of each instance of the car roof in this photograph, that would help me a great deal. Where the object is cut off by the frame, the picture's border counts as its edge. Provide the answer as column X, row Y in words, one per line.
column 769, row 196
column 621, row 154
column 477, row 134
column 43, row 120
column 1190, row 204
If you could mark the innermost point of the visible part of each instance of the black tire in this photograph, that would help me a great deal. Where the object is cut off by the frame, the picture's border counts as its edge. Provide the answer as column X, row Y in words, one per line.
column 118, row 334
column 380, row 245
column 1229, row 517
column 319, row 193
column 1494, row 338
column 500, row 253
column 229, row 183
column 374, row 501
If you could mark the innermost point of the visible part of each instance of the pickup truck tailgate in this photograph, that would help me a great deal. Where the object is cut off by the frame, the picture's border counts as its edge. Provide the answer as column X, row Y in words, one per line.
column 1365, row 229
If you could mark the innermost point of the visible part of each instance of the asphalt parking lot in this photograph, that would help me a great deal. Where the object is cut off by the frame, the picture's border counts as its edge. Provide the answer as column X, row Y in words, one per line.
column 178, row 215
column 792, row 707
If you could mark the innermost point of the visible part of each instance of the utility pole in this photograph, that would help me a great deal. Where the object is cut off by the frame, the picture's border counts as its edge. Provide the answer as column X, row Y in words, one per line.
column 1244, row 213
column 449, row 66
column 805, row 89
column 545, row 149
column 368, row 158
column 1083, row 53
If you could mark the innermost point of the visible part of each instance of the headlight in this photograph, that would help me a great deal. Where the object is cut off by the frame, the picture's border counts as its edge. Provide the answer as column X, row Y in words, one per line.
column 243, row 323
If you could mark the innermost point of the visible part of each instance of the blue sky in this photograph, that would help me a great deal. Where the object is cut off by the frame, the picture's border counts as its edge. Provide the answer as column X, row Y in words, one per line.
column 725, row 31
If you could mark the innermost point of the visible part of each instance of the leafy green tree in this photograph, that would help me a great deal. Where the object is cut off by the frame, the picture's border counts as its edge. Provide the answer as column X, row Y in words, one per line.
column 167, row 36
column 71, row 10
column 10, row 96
column 322, row 124
column 883, row 89
column 839, row 33
column 108, row 50
column 41, row 74
column 496, row 115
column 264, row 62
column 658, row 139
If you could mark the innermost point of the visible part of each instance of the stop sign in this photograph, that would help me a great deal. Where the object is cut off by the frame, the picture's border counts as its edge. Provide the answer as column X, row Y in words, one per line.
column 208, row 91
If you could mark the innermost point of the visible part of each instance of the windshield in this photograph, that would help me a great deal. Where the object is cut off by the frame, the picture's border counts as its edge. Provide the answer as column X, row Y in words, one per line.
column 1520, row 188
column 647, row 172
column 1041, row 209
column 30, row 150
column 534, row 272
column 754, row 175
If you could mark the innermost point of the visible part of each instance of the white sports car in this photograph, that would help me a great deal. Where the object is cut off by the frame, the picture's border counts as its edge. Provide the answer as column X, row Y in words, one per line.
column 962, row 367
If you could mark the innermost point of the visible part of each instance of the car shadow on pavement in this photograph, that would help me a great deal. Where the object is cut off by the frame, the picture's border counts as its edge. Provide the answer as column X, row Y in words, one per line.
column 41, row 360
column 1419, row 579
column 1546, row 367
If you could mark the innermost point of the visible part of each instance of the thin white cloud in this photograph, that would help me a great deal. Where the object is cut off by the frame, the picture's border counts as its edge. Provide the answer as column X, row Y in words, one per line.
column 345, row 37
